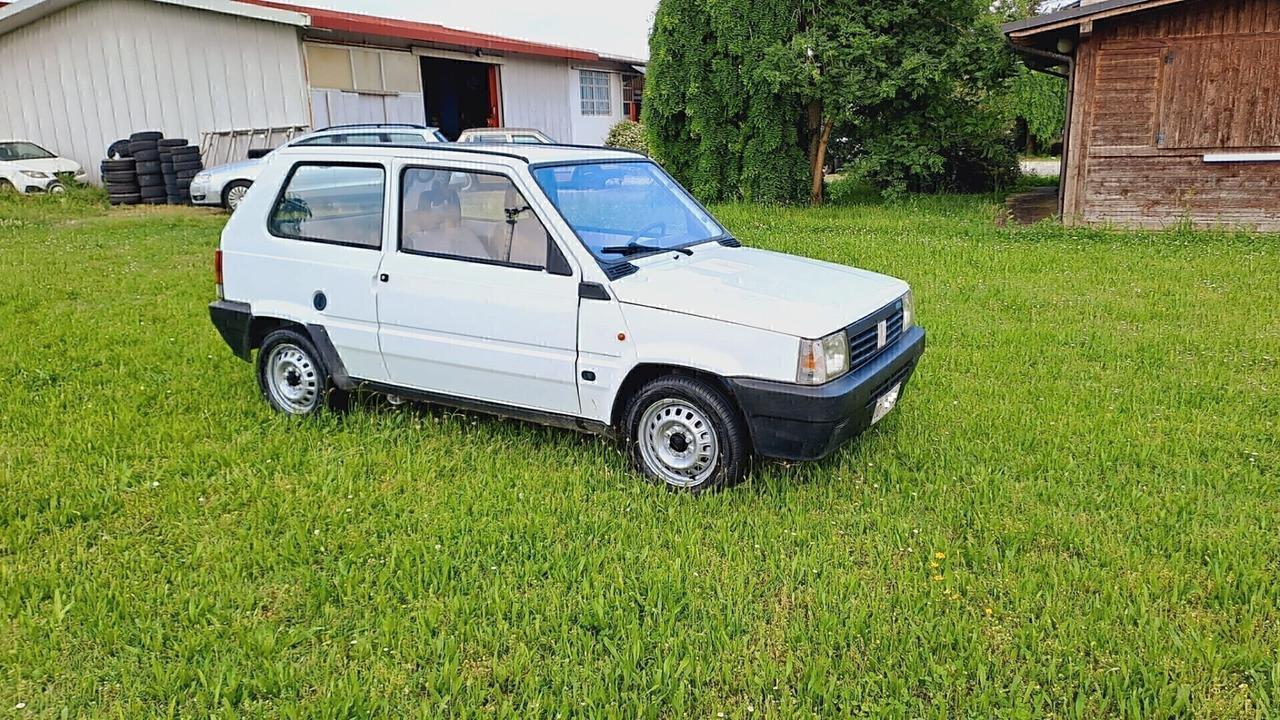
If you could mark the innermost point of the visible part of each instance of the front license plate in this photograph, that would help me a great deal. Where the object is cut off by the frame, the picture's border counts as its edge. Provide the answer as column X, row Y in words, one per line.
column 885, row 403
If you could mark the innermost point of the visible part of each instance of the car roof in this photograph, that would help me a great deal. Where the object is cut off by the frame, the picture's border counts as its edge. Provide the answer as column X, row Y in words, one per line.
column 371, row 127
column 500, row 152
column 500, row 130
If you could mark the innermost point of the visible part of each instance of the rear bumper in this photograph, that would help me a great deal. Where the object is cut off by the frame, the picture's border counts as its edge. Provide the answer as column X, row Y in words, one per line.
column 800, row 422
column 233, row 321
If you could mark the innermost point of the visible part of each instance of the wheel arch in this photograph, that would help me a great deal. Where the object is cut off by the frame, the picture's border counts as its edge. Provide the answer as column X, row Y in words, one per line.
column 645, row 372
column 226, row 189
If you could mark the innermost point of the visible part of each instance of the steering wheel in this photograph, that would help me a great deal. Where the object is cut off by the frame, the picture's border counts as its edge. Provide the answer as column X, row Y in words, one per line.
column 644, row 231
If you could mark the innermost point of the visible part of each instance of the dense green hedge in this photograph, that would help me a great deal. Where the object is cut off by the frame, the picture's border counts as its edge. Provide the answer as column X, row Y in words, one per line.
column 738, row 91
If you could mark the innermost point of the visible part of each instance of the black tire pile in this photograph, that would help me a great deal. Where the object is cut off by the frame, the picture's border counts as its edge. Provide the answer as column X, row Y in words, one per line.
column 150, row 169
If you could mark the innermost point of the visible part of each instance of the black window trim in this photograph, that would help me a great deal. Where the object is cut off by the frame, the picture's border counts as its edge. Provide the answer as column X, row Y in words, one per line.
column 323, row 241
column 545, row 268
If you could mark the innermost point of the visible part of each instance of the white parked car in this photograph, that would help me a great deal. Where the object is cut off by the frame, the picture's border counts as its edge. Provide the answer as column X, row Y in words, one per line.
column 580, row 287
column 29, row 168
column 225, row 185
column 514, row 136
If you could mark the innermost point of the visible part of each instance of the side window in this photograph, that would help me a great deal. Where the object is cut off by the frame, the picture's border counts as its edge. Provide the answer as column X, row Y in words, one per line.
column 339, row 204
column 407, row 139
column 323, row 140
column 526, row 139
column 468, row 215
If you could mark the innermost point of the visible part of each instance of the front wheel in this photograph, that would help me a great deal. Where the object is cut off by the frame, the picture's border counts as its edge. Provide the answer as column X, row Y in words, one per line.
column 234, row 194
column 293, row 376
column 686, row 433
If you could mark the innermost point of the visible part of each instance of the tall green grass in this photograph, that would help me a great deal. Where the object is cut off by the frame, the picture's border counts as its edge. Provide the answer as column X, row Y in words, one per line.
column 1072, row 513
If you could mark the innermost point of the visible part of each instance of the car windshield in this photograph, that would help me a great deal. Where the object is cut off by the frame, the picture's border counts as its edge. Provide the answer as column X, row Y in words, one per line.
column 10, row 151
column 621, row 209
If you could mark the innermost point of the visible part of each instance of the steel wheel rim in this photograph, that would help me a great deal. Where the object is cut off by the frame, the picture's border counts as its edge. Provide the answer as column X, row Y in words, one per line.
column 678, row 442
column 235, row 195
column 55, row 189
column 292, row 379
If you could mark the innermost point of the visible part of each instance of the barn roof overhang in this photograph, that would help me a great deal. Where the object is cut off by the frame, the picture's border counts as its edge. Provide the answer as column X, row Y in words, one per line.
column 337, row 26
column 1071, row 21
column 24, row 12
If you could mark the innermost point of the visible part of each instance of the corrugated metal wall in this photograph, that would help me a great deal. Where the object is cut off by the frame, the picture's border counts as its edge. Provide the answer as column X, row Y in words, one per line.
column 535, row 93
column 77, row 80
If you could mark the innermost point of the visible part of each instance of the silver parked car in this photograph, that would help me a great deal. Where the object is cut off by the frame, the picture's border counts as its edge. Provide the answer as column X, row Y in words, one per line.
column 226, row 185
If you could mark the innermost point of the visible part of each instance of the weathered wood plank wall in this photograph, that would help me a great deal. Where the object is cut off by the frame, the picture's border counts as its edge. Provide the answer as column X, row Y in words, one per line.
column 1157, row 91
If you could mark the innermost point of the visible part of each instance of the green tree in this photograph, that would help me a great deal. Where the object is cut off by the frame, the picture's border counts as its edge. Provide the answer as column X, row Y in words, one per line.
column 743, row 96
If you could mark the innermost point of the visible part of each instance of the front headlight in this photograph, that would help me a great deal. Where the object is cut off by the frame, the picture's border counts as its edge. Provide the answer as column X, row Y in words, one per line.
column 35, row 174
column 823, row 360
column 908, row 311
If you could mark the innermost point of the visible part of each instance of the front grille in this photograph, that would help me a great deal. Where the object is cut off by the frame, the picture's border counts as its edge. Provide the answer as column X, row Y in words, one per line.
column 864, row 335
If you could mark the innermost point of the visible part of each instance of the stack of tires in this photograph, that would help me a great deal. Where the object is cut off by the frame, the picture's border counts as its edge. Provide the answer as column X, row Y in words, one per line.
column 145, row 150
column 148, row 168
column 120, row 175
column 186, row 164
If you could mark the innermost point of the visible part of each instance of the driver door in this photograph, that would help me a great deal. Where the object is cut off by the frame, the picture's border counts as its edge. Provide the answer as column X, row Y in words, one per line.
column 475, row 299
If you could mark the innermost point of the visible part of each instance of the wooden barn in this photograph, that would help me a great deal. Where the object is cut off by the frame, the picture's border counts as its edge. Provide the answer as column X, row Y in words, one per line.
column 1173, row 109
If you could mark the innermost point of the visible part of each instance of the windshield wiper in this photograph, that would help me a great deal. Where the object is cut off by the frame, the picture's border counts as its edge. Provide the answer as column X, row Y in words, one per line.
column 635, row 249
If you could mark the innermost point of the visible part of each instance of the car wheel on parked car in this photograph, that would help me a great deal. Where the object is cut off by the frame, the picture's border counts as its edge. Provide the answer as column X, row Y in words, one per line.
column 234, row 194
column 293, row 377
column 684, row 432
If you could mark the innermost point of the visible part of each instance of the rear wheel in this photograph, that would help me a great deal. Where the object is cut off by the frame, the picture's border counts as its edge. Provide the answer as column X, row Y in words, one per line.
column 293, row 377
column 234, row 194
column 684, row 432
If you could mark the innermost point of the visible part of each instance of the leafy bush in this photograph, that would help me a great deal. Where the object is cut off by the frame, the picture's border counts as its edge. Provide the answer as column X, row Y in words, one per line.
column 629, row 135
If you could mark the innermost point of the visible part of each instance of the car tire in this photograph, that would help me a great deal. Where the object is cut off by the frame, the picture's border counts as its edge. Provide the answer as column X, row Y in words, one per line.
column 293, row 377
column 151, row 191
column 186, row 165
column 6, row 186
column 118, row 176
column 151, row 136
column 150, row 180
column 149, row 167
column 125, row 165
column 118, row 149
column 233, row 194
column 125, row 199
column 171, row 143
column 685, row 433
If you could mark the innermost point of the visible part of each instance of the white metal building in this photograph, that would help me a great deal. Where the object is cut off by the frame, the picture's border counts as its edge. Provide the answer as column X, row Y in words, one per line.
column 78, row 74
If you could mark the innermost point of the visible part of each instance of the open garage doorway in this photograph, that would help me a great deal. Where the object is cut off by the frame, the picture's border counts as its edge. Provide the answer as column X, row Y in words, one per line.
column 459, row 95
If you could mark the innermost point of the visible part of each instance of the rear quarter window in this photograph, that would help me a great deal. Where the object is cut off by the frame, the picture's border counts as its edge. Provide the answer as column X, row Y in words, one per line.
column 337, row 204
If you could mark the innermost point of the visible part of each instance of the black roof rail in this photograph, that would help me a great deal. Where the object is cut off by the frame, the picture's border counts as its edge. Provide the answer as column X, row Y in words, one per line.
column 354, row 126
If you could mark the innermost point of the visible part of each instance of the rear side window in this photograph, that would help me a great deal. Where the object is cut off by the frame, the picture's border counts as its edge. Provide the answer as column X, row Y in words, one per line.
column 338, row 204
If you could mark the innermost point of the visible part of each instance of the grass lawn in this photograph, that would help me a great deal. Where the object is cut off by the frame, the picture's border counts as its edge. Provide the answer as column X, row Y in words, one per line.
column 1075, row 511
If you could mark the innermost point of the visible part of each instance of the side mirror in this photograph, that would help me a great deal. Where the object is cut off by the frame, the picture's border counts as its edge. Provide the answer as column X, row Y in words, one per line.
column 557, row 264
column 256, row 153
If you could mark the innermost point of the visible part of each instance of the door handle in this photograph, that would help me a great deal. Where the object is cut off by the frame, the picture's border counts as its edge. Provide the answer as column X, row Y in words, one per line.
column 384, row 277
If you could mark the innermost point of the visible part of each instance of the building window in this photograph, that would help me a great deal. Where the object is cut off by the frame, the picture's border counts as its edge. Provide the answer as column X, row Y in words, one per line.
column 632, row 94
column 362, row 70
column 595, row 92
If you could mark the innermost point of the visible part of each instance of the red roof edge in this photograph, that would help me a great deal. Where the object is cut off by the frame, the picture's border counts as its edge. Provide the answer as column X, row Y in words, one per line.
column 425, row 32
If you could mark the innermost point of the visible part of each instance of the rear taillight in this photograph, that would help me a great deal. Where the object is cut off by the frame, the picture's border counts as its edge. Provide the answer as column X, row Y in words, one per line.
column 217, row 272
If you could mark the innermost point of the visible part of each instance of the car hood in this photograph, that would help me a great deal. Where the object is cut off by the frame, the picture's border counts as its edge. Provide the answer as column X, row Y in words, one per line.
column 48, row 165
column 758, row 288
column 242, row 170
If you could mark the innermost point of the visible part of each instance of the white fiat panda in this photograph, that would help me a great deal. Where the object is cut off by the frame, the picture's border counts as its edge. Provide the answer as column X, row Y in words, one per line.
column 579, row 287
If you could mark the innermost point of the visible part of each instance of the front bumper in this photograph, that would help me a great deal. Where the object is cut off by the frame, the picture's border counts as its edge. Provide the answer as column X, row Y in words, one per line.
column 802, row 422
